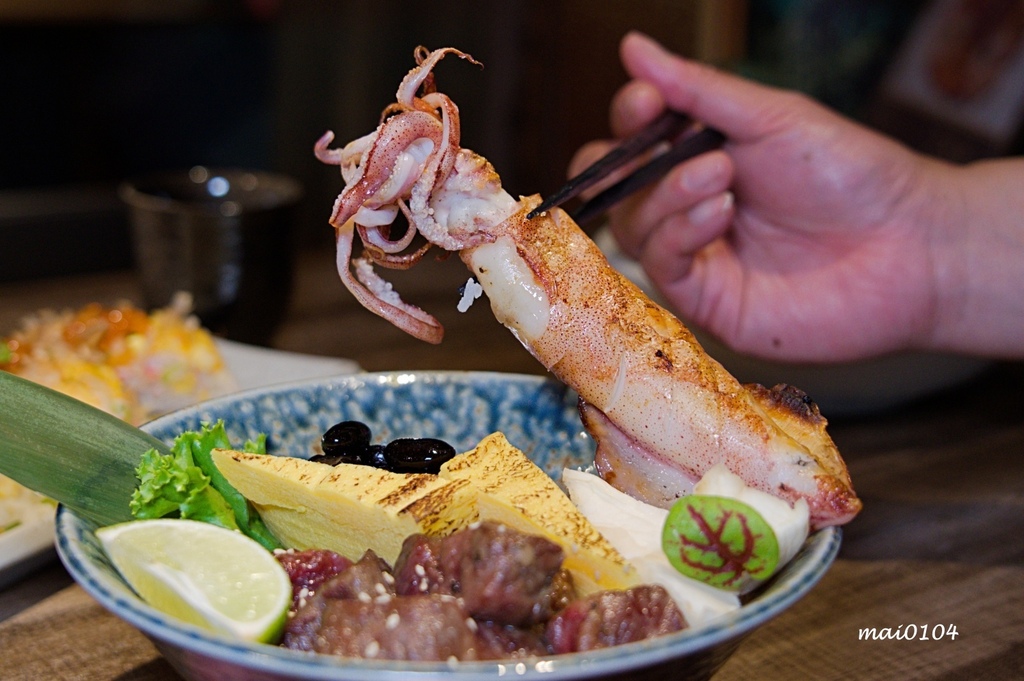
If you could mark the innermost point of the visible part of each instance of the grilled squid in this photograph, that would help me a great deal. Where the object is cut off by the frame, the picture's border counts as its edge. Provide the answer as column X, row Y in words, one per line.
column 661, row 411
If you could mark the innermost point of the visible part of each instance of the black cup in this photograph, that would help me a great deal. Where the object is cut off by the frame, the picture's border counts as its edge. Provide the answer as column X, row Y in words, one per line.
column 224, row 236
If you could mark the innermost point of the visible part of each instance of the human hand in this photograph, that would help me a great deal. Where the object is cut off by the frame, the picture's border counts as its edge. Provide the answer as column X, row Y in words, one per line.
column 805, row 238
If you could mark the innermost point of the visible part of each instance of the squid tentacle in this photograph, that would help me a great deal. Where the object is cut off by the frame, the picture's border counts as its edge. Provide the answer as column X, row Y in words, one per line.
column 322, row 151
column 396, row 136
column 426, row 61
column 378, row 241
column 375, row 294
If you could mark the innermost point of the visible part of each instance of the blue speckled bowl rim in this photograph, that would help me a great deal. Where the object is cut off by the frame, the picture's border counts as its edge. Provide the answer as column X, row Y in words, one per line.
column 790, row 585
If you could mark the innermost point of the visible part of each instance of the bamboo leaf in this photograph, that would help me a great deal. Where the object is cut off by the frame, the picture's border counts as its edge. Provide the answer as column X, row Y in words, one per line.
column 68, row 450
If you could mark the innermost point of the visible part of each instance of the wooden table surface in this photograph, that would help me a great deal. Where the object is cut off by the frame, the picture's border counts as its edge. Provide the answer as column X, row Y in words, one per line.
column 940, row 540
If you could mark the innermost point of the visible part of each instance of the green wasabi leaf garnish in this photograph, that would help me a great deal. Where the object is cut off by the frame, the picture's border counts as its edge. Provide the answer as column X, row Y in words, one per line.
column 720, row 541
column 187, row 484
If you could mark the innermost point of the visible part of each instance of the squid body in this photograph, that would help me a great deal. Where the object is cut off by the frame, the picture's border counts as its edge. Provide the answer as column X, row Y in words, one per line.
column 661, row 410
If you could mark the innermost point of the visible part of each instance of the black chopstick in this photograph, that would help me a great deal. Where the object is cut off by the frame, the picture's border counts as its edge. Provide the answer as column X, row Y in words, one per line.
column 694, row 145
column 670, row 126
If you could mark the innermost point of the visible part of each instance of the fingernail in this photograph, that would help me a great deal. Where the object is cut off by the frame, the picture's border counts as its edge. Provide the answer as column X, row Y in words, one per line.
column 710, row 209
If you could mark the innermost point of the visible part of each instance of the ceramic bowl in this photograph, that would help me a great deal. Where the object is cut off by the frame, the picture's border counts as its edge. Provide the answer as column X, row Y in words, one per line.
column 537, row 415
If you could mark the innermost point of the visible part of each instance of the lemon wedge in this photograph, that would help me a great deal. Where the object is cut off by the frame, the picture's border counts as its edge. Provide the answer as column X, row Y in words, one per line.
column 202, row 574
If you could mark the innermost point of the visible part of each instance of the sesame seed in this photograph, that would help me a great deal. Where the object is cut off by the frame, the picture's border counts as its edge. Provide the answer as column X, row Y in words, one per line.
column 389, row 578
column 392, row 621
column 380, row 588
column 364, row 597
column 420, row 570
column 383, row 598
column 371, row 650
column 471, row 624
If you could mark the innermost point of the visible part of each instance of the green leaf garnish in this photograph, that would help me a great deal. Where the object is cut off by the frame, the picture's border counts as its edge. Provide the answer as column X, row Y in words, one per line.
column 187, row 484
column 720, row 541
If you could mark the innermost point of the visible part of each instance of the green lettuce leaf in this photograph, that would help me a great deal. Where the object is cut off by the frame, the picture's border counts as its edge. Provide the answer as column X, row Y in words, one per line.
column 187, row 484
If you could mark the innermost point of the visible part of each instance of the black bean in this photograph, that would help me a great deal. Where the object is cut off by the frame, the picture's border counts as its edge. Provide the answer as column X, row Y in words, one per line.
column 417, row 455
column 348, row 438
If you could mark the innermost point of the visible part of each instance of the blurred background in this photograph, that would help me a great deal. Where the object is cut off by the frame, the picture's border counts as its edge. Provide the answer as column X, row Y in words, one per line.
column 94, row 91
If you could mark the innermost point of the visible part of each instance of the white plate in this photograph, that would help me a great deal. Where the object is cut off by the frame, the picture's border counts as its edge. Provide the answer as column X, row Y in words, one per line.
column 30, row 544
column 256, row 367
column 27, row 545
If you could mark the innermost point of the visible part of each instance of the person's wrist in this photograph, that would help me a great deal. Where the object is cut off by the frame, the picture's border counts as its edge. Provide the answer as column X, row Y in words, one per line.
column 985, row 314
column 937, row 211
